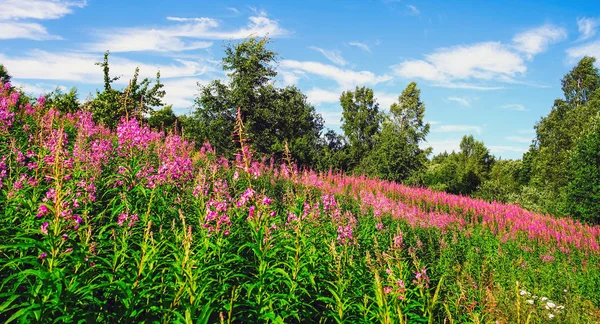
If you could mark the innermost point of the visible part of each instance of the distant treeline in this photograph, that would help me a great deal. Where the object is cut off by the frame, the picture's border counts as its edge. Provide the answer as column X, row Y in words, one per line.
column 560, row 174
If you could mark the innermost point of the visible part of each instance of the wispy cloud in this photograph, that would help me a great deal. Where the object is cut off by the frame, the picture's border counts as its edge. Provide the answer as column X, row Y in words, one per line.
column 589, row 49
column 37, row 89
column 181, row 92
column 79, row 67
column 519, row 139
column 527, row 131
column 480, row 62
column 475, row 66
column 362, row 46
column 587, row 27
column 536, row 40
column 318, row 96
column 499, row 149
column 33, row 31
column 233, row 10
column 334, row 56
column 515, row 107
column 188, row 34
column 13, row 10
column 457, row 129
column 38, row 9
column 345, row 78
column 444, row 145
column 333, row 118
column 461, row 100
column 412, row 10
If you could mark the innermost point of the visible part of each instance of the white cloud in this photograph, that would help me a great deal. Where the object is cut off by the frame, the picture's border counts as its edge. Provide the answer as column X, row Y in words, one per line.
column 75, row 66
column 481, row 61
column 385, row 100
column 180, row 79
column 468, row 66
column 587, row 27
column 462, row 85
column 234, row 10
column 457, row 129
column 333, row 118
column 413, row 11
column 334, row 56
column 37, row 9
column 148, row 40
column 440, row 146
column 181, row 93
column 362, row 46
column 318, row 96
column 537, row 40
column 289, row 78
column 13, row 30
column 515, row 107
column 346, row 79
column 499, row 149
column 31, row 9
column 519, row 139
column 461, row 100
column 527, row 131
column 186, row 35
column 589, row 49
column 38, row 89
column 203, row 21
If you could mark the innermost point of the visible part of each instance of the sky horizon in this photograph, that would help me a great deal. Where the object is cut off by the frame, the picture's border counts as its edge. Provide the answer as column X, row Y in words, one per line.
column 487, row 69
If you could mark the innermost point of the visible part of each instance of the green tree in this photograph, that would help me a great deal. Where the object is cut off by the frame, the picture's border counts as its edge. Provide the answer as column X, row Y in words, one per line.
column 583, row 194
column 361, row 122
column 558, row 133
column 163, row 119
column 397, row 154
column 137, row 99
column 64, row 102
column 461, row 172
column 503, row 181
column 334, row 152
column 272, row 116
column 4, row 76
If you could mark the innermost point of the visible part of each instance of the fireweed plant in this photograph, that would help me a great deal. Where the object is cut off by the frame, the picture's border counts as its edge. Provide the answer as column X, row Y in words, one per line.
column 133, row 225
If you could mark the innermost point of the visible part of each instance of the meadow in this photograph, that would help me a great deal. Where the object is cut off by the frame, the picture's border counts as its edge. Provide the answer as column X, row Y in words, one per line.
column 136, row 225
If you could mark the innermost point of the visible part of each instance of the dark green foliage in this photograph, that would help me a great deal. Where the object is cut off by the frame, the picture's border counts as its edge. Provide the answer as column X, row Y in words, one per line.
column 163, row 119
column 583, row 190
column 504, row 181
column 64, row 102
column 361, row 122
column 334, row 152
column 397, row 154
column 272, row 116
column 558, row 133
column 462, row 172
column 4, row 76
column 137, row 99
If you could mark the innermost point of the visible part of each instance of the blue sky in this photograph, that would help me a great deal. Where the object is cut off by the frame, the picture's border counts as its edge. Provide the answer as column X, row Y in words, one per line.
column 490, row 69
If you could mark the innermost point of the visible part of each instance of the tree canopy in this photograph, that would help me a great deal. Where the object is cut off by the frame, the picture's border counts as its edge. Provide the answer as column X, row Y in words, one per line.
column 272, row 115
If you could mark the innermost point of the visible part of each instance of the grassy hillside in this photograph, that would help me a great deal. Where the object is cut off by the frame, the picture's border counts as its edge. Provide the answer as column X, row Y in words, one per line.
column 134, row 225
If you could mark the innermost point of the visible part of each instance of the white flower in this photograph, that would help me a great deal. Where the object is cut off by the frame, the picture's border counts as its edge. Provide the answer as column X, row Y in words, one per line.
column 544, row 298
column 550, row 316
column 551, row 304
column 535, row 297
column 523, row 293
column 530, row 301
column 560, row 307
